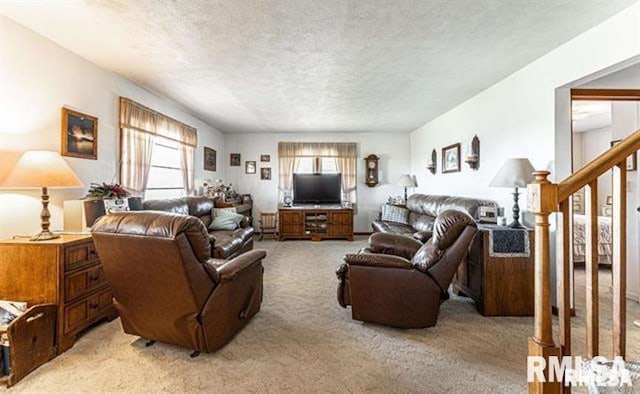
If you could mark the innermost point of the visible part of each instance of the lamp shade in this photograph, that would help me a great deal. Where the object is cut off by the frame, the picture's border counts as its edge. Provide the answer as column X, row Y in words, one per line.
column 514, row 173
column 37, row 169
column 406, row 180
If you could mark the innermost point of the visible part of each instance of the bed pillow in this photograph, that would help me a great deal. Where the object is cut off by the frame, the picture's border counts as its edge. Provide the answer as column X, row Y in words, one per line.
column 216, row 211
column 226, row 220
column 396, row 214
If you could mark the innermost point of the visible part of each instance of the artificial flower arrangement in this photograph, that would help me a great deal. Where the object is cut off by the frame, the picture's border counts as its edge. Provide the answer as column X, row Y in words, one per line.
column 106, row 190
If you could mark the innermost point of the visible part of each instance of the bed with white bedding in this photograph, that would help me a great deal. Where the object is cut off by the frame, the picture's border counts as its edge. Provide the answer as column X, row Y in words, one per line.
column 604, row 239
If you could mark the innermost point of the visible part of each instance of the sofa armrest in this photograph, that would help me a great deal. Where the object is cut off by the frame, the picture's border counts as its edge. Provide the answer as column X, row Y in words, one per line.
column 377, row 260
column 394, row 244
column 234, row 267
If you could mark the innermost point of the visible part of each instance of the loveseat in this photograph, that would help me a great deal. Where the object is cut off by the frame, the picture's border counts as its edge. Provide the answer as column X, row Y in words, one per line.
column 423, row 210
column 225, row 244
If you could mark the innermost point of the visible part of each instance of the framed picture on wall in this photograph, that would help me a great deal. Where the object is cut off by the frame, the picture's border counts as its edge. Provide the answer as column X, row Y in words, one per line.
column 250, row 167
column 79, row 135
column 234, row 159
column 265, row 158
column 632, row 161
column 265, row 174
column 451, row 158
column 210, row 159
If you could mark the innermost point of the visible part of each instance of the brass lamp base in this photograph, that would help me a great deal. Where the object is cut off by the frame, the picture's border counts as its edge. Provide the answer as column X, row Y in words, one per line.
column 45, row 234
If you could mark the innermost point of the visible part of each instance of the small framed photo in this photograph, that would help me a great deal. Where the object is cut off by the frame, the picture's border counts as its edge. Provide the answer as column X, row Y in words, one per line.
column 265, row 173
column 488, row 214
column 234, row 159
column 79, row 135
column 632, row 161
column 451, row 158
column 249, row 167
column 209, row 159
column 609, row 200
column 246, row 198
column 265, row 158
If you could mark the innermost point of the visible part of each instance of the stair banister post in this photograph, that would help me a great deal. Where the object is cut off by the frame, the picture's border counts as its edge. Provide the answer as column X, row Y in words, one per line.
column 542, row 201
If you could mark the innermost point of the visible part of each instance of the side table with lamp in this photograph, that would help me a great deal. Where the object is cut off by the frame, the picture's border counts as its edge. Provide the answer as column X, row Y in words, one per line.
column 514, row 173
column 51, row 268
column 406, row 181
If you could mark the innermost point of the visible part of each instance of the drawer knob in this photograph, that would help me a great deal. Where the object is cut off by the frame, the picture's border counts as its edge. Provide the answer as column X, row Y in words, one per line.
column 93, row 306
column 94, row 278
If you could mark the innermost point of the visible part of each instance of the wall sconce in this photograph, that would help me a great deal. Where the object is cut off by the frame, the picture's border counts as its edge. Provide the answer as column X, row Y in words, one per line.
column 431, row 166
column 473, row 154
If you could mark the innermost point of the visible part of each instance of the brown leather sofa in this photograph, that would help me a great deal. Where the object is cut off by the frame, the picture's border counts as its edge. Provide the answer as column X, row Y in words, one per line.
column 167, row 288
column 423, row 210
column 400, row 282
column 225, row 244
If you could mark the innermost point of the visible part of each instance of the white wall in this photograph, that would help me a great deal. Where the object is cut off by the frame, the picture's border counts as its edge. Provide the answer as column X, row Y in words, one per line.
column 591, row 144
column 523, row 114
column 625, row 119
column 393, row 150
column 37, row 78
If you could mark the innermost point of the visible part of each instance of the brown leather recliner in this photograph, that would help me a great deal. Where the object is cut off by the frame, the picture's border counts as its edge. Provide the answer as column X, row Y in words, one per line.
column 167, row 288
column 400, row 282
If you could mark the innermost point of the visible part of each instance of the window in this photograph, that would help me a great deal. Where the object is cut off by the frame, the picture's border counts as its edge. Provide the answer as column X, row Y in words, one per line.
column 311, row 165
column 165, row 175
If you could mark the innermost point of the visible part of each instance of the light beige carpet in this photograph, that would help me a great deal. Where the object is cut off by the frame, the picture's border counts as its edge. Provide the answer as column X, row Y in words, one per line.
column 302, row 341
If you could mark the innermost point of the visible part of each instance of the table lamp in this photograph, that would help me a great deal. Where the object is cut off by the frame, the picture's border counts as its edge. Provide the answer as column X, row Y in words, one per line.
column 514, row 173
column 41, row 169
column 406, row 181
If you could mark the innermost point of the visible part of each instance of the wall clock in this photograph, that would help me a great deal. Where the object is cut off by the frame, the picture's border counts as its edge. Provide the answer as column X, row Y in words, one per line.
column 371, row 170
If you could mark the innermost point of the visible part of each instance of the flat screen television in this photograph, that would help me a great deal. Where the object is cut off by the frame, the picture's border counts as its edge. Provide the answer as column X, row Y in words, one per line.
column 316, row 188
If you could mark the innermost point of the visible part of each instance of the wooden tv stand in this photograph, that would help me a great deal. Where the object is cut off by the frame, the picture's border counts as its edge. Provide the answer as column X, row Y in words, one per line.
column 315, row 222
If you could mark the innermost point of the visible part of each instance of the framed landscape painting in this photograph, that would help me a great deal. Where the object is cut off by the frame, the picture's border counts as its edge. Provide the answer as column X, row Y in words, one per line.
column 79, row 135
column 209, row 159
column 451, row 158
column 265, row 158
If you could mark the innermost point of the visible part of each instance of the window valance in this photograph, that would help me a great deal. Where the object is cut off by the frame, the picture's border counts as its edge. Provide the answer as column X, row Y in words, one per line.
column 318, row 149
column 136, row 116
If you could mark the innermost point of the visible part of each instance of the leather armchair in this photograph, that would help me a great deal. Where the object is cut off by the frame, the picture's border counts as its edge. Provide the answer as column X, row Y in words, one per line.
column 400, row 282
column 165, row 285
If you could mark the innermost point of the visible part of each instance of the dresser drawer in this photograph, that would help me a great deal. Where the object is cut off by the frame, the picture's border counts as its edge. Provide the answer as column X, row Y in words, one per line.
column 79, row 256
column 81, row 313
column 83, row 282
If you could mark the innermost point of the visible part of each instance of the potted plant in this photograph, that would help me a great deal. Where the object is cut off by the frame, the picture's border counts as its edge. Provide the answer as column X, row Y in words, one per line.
column 104, row 198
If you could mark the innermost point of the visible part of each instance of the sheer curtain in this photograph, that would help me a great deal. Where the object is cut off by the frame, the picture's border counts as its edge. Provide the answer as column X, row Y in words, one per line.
column 136, row 150
column 187, row 158
column 140, row 125
column 345, row 154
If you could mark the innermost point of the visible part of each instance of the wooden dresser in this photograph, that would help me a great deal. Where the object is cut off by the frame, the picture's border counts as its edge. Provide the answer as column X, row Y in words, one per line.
column 500, row 286
column 315, row 222
column 64, row 271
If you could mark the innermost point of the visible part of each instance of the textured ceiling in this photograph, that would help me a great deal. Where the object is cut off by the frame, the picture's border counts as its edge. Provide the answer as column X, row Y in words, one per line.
column 312, row 65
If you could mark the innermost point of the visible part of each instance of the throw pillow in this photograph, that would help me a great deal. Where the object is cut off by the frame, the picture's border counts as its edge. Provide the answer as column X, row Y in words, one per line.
column 393, row 213
column 226, row 220
column 216, row 211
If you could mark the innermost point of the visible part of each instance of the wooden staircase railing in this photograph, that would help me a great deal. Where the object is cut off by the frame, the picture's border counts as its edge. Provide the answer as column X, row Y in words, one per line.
column 546, row 198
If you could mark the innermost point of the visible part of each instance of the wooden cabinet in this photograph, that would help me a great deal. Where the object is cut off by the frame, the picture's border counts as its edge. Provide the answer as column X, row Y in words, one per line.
column 315, row 222
column 500, row 286
column 65, row 272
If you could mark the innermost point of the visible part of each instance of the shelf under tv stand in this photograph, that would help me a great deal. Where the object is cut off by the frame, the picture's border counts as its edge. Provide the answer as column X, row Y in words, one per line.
column 315, row 222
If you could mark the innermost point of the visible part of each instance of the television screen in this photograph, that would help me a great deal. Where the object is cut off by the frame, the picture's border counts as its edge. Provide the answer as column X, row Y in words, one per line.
column 316, row 188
